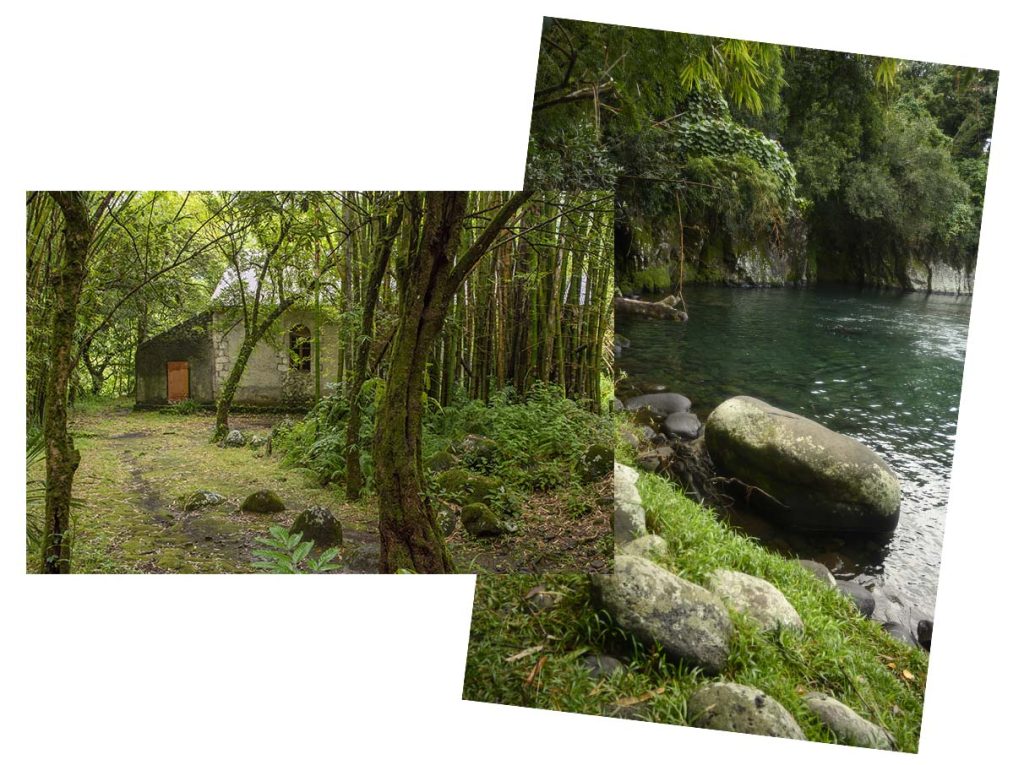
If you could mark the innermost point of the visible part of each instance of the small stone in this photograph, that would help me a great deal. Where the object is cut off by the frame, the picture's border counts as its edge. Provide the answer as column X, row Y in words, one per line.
column 200, row 499
column 446, row 520
column 820, row 570
column 263, row 501
column 318, row 524
column 860, row 596
column 480, row 521
column 538, row 599
column 601, row 666
column 758, row 599
column 234, row 439
column 848, row 726
column 741, row 709
column 684, row 425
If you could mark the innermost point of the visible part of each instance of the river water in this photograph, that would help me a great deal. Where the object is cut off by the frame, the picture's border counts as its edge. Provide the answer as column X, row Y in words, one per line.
column 884, row 368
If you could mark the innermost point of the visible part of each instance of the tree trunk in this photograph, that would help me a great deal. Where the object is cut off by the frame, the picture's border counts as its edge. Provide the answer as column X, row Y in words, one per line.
column 409, row 535
column 353, row 472
column 61, row 456
column 227, row 393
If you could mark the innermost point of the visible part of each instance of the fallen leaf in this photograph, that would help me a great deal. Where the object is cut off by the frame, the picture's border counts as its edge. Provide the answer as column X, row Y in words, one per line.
column 524, row 653
column 907, row 674
column 801, row 690
column 891, row 665
column 630, row 701
column 535, row 672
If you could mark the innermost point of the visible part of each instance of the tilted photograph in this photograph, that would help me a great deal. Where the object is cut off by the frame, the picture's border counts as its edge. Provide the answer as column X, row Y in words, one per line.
column 319, row 382
column 796, row 236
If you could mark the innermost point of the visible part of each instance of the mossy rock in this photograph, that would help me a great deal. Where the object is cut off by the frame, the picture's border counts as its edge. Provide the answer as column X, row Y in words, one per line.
column 197, row 500
column 479, row 451
column 318, row 524
column 465, row 488
column 175, row 560
column 596, row 462
column 440, row 462
column 264, row 502
column 480, row 521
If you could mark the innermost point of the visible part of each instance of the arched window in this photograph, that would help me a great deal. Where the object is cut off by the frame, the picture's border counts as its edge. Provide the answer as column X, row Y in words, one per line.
column 300, row 347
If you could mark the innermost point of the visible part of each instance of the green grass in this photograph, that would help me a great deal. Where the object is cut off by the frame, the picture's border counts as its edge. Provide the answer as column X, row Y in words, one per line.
column 839, row 653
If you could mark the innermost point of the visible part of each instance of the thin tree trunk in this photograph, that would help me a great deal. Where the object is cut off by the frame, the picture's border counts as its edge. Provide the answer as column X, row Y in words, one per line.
column 385, row 240
column 409, row 535
column 61, row 456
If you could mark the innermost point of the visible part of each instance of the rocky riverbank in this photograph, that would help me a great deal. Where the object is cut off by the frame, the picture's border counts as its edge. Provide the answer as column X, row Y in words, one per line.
column 786, row 468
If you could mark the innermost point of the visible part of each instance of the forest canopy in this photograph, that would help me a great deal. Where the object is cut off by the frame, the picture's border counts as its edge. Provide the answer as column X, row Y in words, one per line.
column 732, row 140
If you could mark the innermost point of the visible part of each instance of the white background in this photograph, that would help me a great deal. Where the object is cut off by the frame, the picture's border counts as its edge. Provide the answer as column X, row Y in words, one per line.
column 420, row 95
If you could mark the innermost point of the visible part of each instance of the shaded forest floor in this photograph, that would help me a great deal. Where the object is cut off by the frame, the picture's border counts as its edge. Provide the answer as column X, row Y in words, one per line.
column 136, row 466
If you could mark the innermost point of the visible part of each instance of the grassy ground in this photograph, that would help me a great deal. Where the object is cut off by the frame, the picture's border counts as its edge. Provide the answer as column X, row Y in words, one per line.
column 135, row 465
column 518, row 656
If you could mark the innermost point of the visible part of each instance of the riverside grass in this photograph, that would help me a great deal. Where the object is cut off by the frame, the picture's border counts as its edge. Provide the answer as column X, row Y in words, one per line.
column 840, row 652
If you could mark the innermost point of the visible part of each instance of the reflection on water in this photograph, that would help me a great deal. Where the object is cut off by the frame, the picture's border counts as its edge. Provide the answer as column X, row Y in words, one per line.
column 884, row 368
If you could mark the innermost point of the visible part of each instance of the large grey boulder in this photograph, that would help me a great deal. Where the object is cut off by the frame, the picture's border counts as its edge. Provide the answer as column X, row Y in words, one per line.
column 629, row 519
column 758, row 599
column 848, row 726
column 741, row 709
column 660, row 404
column 805, row 475
column 658, row 607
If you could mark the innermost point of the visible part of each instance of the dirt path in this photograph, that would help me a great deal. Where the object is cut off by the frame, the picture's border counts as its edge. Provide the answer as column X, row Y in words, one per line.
column 137, row 465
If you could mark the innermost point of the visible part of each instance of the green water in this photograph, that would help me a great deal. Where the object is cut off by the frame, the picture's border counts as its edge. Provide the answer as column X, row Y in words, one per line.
column 884, row 368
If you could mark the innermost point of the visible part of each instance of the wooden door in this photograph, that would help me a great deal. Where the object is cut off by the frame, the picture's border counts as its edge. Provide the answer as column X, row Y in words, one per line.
column 177, row 381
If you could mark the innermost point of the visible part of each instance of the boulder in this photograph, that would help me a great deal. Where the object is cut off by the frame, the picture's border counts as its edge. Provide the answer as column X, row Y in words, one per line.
column 685, row 425
column 924, row 634
column 615, row 405
column 820, row 570
column 197, row 500
column 805, row 475
column 658, row 607
column 649, row 546
column 318, row 524
column 629, row 520
column 234, row 439
column 900, row 631
column 600, row 666
column 263, row 501
column 480, row 521
column 465, row 488
column 756, row 598
column 860, row 595
column 479, row 451
column 596, row 462
column 741, row 709
column 661, row 405
column 438, row 462
column 848, row 726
